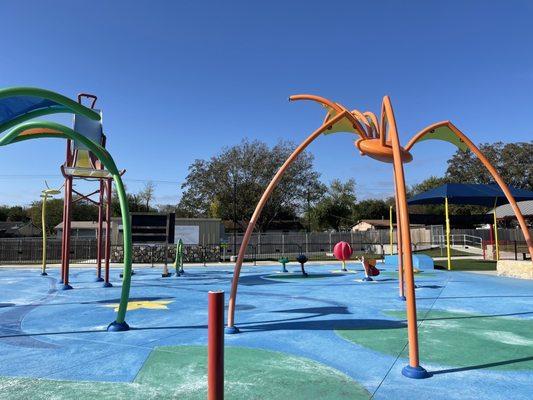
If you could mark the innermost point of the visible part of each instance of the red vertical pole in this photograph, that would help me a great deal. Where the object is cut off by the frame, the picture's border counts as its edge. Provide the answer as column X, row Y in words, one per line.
column 99, row 233
column 68, row 157
column 63, row 233
column 215, row 346
column 109, row 188
column 66, row 229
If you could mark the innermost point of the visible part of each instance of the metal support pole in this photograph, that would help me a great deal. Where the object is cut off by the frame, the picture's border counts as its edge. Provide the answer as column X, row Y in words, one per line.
column 66, row 230
column 448, row 250
column 63, row 233
column 234, row 214
column 43, row 222
column 99, row 233
column 109, row 189
column 391, row 230
column 496, row 236
column 215, row 346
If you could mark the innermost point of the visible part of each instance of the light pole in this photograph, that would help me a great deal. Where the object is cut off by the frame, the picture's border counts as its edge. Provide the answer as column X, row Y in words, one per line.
column 46, row 194
column 234, row 212
column 309, row 208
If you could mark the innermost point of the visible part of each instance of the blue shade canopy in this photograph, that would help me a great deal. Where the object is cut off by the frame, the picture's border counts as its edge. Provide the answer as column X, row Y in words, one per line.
column 13, row 107
column 19, row 104
column 472, row 194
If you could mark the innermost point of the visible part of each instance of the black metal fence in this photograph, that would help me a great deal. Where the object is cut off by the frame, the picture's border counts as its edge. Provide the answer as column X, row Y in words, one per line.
column 30, row 250
column 83, row 250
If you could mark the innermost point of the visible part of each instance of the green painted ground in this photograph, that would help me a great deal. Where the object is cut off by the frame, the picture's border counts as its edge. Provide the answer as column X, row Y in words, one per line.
column 458, row 340
column 297, row 275
column 441, row 252
column 180, row 373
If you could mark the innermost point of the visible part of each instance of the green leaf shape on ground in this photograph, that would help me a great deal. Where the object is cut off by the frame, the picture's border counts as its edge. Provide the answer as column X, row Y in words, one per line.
column 457, row 340
column 179, row 372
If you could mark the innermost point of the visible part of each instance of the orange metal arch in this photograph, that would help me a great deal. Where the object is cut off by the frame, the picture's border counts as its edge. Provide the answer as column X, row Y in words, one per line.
column 405, row 232
column 486, row 163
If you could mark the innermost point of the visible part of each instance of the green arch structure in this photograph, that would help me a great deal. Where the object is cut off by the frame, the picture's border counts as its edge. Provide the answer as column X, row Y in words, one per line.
column 22, row 131
column 60, row 104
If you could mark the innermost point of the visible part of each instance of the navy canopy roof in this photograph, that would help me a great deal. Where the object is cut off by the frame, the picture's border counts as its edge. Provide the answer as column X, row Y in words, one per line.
column 472, row 194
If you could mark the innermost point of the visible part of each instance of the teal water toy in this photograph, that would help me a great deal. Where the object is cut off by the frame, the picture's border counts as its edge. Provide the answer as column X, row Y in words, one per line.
column 284, row 261
column 178, row 262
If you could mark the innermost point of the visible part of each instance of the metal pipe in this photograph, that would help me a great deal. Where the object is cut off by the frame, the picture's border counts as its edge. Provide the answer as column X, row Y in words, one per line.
column 99, row 233
column 448, row 250
column 66, row 228
column 107, row 232
column 215, row 346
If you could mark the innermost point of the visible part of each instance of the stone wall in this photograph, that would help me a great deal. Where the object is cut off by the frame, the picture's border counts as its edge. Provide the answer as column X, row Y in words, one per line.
column 515, row 269
column 155, row 254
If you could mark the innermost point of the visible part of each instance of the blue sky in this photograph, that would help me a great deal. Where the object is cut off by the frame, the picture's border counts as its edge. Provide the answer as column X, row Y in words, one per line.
column 178, row 80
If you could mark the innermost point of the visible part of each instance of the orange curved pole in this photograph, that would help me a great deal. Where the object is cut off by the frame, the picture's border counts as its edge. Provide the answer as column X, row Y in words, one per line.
column 318, row 99
column 374, row 120
column 399, row 179
column 486, row 163
column 335, row 106
column 503, row 186
column 259, row 208
column 363, row 121
column 384, row 122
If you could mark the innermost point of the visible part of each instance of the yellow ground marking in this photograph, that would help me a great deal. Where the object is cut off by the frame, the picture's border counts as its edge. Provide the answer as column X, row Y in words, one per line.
column 146, row 304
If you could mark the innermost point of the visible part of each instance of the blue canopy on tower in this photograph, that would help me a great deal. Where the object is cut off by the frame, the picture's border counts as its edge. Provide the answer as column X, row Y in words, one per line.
column 472, row 194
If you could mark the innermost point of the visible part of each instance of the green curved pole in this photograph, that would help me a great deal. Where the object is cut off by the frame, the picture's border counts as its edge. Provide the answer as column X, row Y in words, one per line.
column 65, row 105
column 178, row 261
column 61, row 131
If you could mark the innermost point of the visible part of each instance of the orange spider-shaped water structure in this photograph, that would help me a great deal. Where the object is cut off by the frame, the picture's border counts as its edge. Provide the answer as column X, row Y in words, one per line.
column 379, row 140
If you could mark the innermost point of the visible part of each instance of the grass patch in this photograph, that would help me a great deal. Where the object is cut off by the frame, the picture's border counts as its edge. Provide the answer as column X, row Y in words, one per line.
column 467, row 265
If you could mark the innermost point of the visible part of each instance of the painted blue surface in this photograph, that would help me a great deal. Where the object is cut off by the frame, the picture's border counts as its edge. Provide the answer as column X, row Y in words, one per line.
column 420, row 261
column 62, row 334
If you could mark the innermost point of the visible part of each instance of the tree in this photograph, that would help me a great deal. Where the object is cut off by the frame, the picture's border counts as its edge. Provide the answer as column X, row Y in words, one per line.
column 137, row 202
column 371, row 209
column 233, row 181
column 513, row 161
column 17, row 213
column 54, row 213
column 4, row 210
column 336, row 208
column 146, row 195
column 81, row 211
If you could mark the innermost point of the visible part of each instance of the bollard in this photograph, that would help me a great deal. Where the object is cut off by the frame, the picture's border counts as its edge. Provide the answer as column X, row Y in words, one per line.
column 215, row 346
